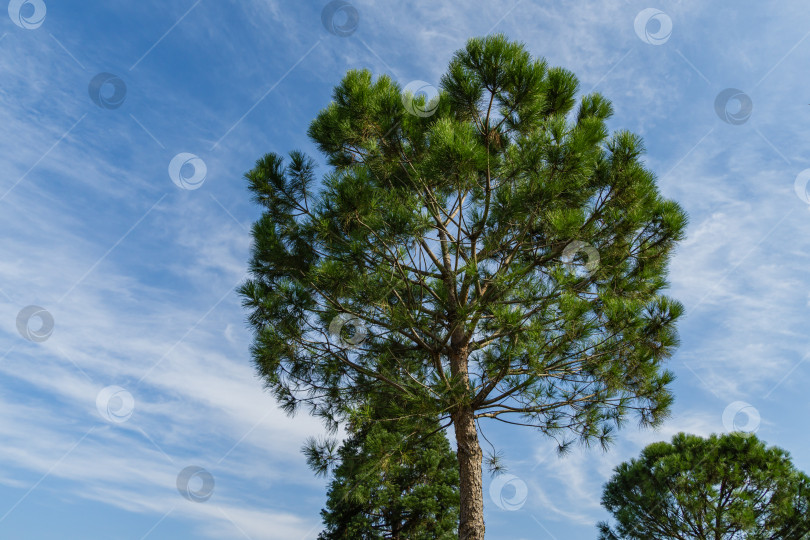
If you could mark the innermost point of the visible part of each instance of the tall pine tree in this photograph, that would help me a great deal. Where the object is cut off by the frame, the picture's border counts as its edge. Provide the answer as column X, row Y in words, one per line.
column 496, row 255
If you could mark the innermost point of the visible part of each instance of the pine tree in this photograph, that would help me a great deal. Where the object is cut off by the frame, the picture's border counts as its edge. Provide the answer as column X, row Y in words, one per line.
column 492, row 255
column 393, row 479
column 726, row 487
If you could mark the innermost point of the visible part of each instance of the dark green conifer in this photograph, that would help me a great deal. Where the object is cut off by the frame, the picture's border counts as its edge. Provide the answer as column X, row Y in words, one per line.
column 497, row 255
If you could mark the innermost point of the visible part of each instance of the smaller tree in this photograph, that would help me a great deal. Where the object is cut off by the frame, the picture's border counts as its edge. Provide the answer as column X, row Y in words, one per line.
column 391, row 478
column 726, row 487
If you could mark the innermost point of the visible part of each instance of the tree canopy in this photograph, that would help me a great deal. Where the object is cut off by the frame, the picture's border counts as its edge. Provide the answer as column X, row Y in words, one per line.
column 492, row 254
column 725, row 487
column 393, row 479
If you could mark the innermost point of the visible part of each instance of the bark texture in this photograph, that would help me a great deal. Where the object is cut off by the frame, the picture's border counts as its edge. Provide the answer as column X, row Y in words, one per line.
column 471, row 490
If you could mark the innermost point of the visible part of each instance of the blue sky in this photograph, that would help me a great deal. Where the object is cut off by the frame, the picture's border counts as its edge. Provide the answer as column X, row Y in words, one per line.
column 138, row 272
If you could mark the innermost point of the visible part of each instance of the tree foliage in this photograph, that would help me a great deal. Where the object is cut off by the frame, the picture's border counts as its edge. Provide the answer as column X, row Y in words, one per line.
column 499, row 255
column 391, row 478
column 726, row 487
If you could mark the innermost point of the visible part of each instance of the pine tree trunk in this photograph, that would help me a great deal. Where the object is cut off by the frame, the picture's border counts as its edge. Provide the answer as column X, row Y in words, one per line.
column 471, row 490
